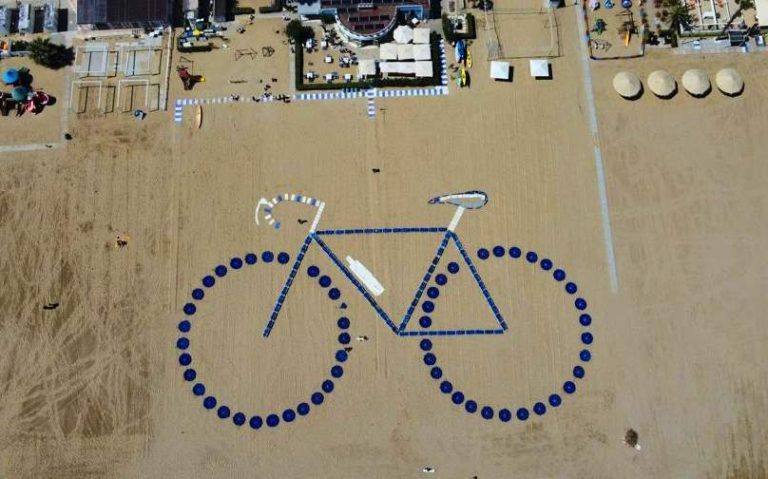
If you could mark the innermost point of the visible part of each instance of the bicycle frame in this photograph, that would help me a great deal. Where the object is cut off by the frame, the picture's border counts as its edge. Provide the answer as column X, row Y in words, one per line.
column 315, row 236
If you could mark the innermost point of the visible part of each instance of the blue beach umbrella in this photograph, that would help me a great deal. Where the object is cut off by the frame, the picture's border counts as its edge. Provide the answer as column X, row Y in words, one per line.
column 19, row 93
column 10, row 76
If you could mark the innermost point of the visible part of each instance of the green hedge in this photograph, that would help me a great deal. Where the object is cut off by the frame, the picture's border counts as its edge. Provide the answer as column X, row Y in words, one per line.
column 194, row 48
column 373, row 82
column 272, row 8
column 244, row 11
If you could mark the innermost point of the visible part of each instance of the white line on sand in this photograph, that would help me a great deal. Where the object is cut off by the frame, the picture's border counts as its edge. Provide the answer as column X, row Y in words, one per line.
column 602, row 190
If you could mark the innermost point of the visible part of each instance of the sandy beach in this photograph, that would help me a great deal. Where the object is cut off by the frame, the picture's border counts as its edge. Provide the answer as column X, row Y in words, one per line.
column 94, row 388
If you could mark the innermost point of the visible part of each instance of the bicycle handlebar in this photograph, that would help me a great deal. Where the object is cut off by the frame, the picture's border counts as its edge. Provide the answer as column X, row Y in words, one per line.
column 270, row 205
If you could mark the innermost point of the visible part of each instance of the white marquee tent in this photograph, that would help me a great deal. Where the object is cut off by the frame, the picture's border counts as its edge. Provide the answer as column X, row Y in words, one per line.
column 388, row 51
column 366, row 68
column 422, row 52
column 405, row 52
column 423, row 69
column 420, row 35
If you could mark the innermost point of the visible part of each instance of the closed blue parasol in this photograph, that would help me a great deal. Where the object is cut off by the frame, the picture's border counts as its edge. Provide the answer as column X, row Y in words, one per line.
column 10, row 76
column 19, row 93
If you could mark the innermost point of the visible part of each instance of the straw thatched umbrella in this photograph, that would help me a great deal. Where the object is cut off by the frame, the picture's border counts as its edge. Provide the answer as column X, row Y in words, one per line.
column 696, row 82
column 729, row 82
column 627, row 84
column 662, row 84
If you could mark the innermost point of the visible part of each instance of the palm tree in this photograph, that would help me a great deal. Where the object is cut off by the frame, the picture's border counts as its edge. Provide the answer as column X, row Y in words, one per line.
column 50, row 55
column 743, row 5
column 679, row 15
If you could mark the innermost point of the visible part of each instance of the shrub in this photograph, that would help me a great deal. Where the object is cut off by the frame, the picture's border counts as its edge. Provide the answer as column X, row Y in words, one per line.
column 327, row 19
column 50, row 55
column 19, row 45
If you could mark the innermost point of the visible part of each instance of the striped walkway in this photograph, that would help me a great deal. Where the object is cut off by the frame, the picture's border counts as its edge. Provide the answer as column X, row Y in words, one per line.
column 443, row 65
column 339, row 95
column 371, row 95
column 436, row 91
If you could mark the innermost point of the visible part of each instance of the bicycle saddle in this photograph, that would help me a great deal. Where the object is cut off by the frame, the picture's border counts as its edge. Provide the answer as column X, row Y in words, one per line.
column 470, row 200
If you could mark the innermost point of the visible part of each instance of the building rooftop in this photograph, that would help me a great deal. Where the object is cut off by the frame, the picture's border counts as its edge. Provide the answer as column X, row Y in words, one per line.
column 122, row 11
column 368, row 17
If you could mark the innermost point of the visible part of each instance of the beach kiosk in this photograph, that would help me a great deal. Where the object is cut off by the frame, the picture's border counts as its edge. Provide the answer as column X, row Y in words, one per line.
column 500, row 70
column 540, row 69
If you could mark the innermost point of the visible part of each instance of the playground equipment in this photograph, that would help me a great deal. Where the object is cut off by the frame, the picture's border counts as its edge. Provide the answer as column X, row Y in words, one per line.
column 600, row 26
column 598, row 44
column 187, row 78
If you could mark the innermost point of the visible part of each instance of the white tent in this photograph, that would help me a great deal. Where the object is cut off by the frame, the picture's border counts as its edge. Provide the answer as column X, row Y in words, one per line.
column 500, row 70
column 424, row 69
column 421, row 35
column 404, row 68
column 405, row 52
column 422, row 52
column 388, row 51
column 366, row 68
column 540, row 69
column 403, row 34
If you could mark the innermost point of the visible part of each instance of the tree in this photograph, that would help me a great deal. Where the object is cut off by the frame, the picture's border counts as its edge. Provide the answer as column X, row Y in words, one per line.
column 327, row 19
column 297, row 31
column 50, row 55
column 743, row 5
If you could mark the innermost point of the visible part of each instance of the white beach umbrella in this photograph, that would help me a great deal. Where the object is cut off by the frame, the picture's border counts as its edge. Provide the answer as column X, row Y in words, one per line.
column 403, row 34
column 729, row 82
column 661, row 83
column 627, row 84
column 696, row 82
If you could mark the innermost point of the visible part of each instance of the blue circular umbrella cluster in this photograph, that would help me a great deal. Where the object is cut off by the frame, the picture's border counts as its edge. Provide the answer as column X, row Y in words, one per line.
column 271, row 420
column 487, row 412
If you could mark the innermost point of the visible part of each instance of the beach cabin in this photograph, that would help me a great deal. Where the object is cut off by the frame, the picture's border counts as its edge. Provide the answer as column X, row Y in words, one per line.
column 5, row 21
column 26, row 18
column 50, row 17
